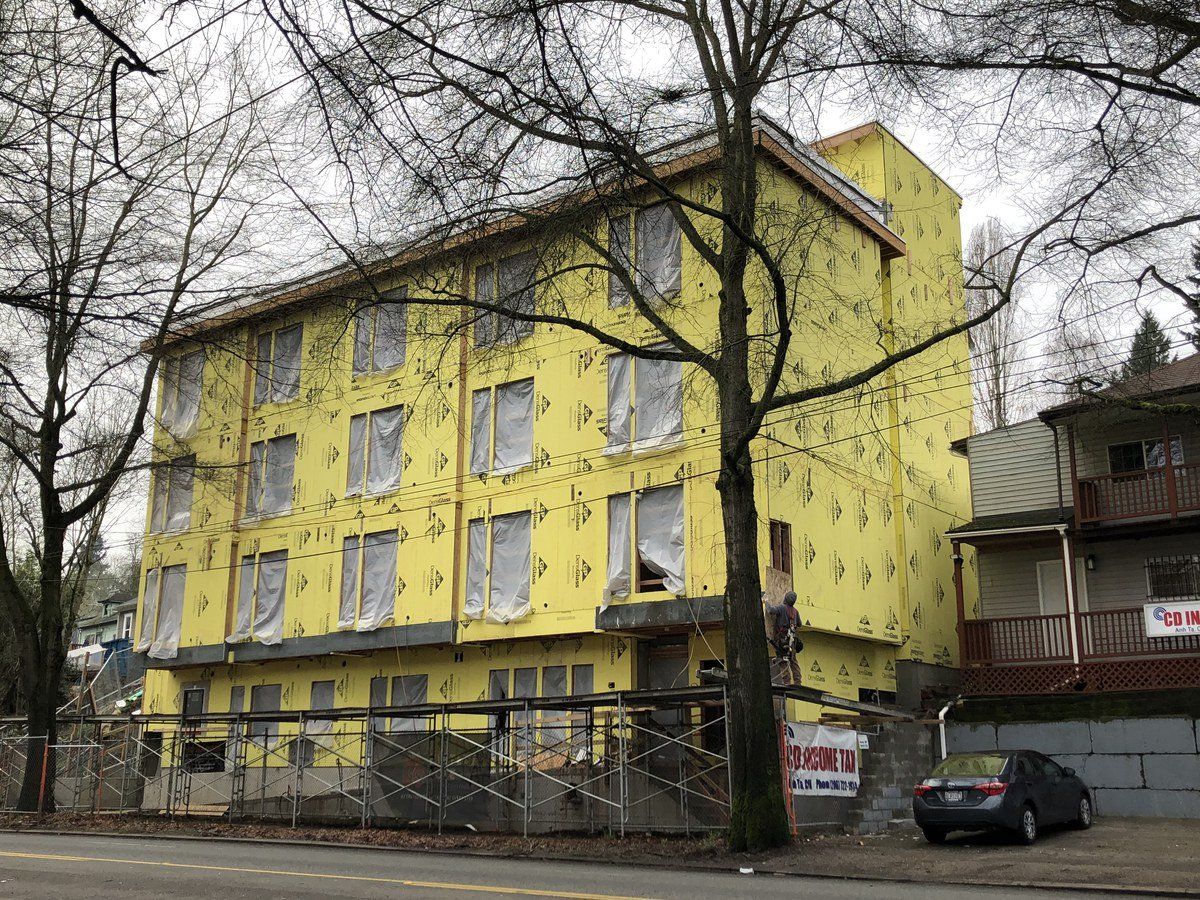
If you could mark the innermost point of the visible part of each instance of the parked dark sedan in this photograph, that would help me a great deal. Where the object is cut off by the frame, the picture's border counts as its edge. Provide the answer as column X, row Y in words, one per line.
column 1020, row 791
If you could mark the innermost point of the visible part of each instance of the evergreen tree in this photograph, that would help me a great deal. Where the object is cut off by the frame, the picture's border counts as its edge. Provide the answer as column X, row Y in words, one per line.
column 1150, row 348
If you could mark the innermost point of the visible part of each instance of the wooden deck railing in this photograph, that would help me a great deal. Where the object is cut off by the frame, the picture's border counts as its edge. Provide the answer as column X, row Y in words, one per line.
column 1032, row 640
column 1165, row 491
column 1017, row 639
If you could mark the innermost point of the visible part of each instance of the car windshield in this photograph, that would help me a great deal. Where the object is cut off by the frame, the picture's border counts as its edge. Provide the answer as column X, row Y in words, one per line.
column 971, row 764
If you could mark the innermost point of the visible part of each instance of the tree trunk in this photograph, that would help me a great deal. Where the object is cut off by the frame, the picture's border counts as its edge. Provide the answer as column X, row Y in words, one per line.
column 41, row 698
column 758, row 817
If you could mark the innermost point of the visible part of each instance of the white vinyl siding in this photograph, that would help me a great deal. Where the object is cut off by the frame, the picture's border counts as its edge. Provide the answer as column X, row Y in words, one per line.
column 1012, row 470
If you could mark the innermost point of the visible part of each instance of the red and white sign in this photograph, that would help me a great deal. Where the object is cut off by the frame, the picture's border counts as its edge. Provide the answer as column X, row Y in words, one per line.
column 821, row 761
column 1171, row 619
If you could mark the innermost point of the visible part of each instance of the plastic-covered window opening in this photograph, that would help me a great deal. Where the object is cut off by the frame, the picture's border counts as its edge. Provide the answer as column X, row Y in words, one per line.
column 272, row 468
column 645, row 543
column 262, row 580
column 509, row 283
column 649, row 245
column 264, row 698
column 171, row 503
column 410, row 690
column 277, row 365
column 645, row 403
column 376, row 458
column 380, row 333
column 502, row 428
column 162, row 611
column 368, row 594
column 320, row 697
column 498, row 562
column 182, row 384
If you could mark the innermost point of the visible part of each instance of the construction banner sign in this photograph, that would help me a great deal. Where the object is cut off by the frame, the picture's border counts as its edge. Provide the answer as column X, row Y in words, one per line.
column 821, row 761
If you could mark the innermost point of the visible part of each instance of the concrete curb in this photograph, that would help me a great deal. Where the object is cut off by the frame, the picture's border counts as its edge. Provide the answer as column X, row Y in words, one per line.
column 1116, row 889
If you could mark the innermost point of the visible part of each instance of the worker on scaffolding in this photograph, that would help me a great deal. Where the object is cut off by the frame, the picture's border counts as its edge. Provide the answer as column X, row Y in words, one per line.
column 783, row 624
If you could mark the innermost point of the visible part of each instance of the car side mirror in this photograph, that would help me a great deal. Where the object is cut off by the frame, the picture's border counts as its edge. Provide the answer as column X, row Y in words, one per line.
column 1068, row 771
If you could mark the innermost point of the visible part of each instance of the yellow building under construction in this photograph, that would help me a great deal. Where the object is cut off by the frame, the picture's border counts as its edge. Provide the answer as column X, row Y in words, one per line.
column 360, row 510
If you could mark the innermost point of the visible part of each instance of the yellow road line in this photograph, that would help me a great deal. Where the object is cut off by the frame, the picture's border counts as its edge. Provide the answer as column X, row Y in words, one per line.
column 435, row 885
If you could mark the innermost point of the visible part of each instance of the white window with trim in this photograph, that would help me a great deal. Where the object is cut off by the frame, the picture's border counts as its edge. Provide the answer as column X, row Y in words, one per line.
column 376, row 459
column 498, row 564
column 125, row 625
column 272, row 471
column 162, row 611
column 262, row 581
column 1173, row 577
column 510, row 284
column 655, row 265
column 368, row 595
column 171, row 500
column 277, row 365
column 645, row 402
column 380, row 333
column 502, row 428
column 181, row 385
column 645, row 543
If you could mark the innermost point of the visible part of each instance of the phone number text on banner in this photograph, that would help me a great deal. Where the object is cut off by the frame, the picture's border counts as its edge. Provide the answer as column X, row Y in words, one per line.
column 821, row 761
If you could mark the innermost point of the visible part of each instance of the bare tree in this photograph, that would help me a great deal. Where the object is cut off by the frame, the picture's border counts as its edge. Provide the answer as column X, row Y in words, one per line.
column 477, row 111
column 998, row 346
column 98, row 265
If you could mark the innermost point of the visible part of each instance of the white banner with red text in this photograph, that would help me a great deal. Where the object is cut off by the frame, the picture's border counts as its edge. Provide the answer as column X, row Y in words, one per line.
column 820, row 761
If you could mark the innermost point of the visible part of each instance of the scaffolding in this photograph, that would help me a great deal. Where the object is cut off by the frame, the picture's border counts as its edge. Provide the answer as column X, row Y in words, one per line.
column 649, row 760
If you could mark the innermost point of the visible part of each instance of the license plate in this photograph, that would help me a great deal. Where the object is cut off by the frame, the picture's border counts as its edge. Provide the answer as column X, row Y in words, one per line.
column 952, row 796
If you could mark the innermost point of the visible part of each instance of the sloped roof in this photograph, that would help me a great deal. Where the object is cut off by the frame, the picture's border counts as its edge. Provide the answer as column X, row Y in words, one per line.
column 1173, row 379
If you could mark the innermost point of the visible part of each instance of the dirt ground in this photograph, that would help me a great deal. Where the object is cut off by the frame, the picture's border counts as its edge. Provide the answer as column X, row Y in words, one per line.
column 1151, row 855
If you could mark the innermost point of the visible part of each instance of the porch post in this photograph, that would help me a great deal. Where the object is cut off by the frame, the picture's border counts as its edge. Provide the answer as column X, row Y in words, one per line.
column 1169, row 471
column 1068, row 552
column 1076, row 500
column 956, row 555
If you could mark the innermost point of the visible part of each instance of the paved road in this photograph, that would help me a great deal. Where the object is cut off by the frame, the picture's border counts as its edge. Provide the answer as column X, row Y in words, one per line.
column 125, row 868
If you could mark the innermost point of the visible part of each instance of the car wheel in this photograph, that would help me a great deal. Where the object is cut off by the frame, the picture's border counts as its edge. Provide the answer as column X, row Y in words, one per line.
column 1027, row 830
column 1083, row 817
column 935, row 835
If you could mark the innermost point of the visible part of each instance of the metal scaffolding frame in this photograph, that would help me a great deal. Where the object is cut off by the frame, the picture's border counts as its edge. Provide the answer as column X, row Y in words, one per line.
column 651, row 760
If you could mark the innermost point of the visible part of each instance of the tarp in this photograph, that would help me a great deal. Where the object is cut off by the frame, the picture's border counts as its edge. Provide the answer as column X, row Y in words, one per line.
column 268, row 600
column 244, row 614
column 254, row 482
column 514, row 426
column 378, row 580
column 391, row 319
column 660, row 534
column 149, row 611
column 186, row 414
column 477, row 535
column 619, row 408
column 278, row 474
column 355, row 458
column 384, row 453
column 170, row 614
column 481, row 431
column 618, row 249
column 515, row 278
column 364, row 324
column 182, row 476
column 485, row 292
column 285, row 364
column 658, row 403
column 617, row 583
column 508, row 598
column 348, row 605
column 659, row 260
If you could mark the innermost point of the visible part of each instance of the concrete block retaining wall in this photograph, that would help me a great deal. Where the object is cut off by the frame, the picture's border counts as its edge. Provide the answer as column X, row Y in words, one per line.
column 1136, row 767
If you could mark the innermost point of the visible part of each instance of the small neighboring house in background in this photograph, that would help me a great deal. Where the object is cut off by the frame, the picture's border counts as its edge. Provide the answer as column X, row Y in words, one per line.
column 1086, row 522
column 115, row 621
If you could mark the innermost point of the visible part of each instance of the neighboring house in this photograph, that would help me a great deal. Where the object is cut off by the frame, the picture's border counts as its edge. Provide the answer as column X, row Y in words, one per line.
column 1087, row 521
column 114, row 621
column 386, row 519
